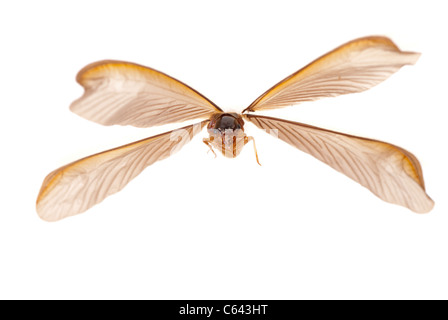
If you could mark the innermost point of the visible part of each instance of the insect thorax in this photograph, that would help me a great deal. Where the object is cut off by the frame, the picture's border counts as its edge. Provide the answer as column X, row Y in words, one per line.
column 226, row 132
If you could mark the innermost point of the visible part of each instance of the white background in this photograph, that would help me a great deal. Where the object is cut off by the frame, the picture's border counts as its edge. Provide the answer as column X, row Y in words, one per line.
column 196, row 227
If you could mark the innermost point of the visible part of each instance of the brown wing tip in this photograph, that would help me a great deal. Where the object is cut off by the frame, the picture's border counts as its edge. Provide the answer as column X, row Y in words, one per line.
column 49, row 182
column 413, row 57
column 383, row 41
column 106, row 67
column 94, row 68
column 369, row 41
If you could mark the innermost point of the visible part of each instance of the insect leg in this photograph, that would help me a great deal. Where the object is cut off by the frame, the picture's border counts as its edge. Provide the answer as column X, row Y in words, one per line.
column 207, row 142
column 246, row 140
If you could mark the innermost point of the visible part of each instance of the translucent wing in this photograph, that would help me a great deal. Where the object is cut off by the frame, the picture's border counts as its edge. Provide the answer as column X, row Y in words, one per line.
column 390, row 172
column 76, row 187
column 353, row 67
column 124, row 93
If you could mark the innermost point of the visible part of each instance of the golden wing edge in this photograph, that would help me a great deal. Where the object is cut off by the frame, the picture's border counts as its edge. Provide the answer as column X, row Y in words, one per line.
column 410, row 163
column 100, row 68
column 52, row 179
column 356, row 44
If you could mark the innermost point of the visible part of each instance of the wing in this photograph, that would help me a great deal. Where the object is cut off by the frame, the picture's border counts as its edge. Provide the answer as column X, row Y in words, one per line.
column 76, row 187
column 124, row 93
column 353, row 67
column 390, row 172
